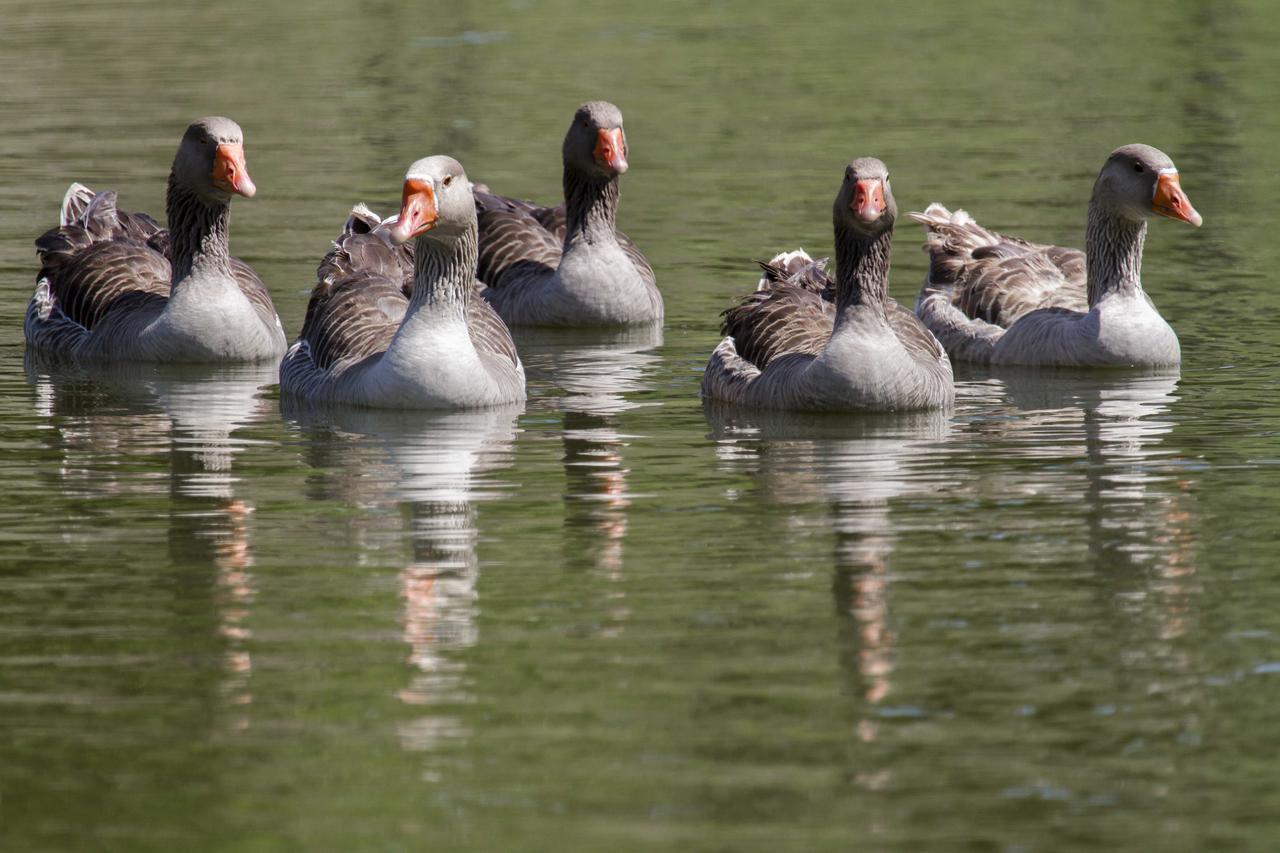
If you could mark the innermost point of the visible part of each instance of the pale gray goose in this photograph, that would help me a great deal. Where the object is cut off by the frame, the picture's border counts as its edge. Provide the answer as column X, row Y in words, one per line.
column 805, row 342
column 371, row 339
column 993, row 299
column 569, row 265
column 114, row 286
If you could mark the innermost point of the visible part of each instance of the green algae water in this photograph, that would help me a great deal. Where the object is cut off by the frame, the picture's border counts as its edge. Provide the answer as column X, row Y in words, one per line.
column 615, row 618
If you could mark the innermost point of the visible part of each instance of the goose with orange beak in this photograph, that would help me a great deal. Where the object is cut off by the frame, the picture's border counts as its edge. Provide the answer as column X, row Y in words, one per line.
column 569, row 265
column 114, row 286
column 395, row 320
column 807, row 341
column 993, row 299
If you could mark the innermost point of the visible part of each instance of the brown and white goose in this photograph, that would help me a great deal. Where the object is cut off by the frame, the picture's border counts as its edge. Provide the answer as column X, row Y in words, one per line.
column 373, row 338
column 993, row 299
column 114, row 286
column 569, row 265
column 807, row 343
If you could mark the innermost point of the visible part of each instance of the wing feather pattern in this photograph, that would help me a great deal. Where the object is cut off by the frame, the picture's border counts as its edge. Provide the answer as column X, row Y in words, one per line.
column 996, row 278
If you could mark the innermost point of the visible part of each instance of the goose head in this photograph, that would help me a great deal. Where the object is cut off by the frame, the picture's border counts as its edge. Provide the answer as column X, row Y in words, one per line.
column 595, row 143
column 865, row 203
column 1138, row 180
column 437, row 202
column 210, row 160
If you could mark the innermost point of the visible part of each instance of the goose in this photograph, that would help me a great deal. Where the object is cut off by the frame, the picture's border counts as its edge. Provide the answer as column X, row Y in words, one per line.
column 569, row 265
column 805, row 342
column 115, row 286
column 993, row 299
column 369, row 339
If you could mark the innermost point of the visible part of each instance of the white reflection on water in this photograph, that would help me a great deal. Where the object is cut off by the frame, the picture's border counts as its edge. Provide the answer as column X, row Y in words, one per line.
column 856, row 465
column 595, row 371
column 105, row 415
column 1095, row 448
column 431, row 466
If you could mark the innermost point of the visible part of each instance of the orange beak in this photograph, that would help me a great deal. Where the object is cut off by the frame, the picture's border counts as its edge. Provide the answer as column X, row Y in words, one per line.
column 418, row 212
column 868, row 199
column 229, row 171
column 1169, row 200
column 611, row 149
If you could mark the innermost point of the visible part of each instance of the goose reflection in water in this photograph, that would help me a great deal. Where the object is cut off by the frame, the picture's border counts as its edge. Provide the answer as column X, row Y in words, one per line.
column 595, row 370
column 104, row 413
column 856, row 465
column 433, row 468
column 1137, row 501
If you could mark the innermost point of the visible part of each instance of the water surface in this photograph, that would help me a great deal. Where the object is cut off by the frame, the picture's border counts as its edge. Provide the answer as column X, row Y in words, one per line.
column 615, row 618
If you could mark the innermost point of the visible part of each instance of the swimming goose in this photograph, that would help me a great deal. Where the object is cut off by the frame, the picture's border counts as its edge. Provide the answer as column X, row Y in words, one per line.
column 805, row 342
column 993, row 299
column 369, row 341
column 114, row 286
column 569, row 265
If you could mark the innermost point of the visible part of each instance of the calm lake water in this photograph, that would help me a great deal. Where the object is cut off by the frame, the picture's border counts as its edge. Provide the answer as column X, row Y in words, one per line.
column 614, row 619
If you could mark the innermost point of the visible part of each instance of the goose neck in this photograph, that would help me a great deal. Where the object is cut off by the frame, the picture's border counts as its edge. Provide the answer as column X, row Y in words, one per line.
column 198, row 234
column 1113, row 245
column 443, row 274
column 591, row 208
column 862, row 269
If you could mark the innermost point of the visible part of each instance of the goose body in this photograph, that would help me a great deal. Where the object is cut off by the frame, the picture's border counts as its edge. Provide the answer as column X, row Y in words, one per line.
column 391, row 325
column 115, row 286
column 568, row 265
column 993, row 299
column 807, row 342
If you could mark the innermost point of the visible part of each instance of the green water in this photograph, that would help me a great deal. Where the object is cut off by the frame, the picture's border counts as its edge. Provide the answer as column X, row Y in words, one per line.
column 613, row 620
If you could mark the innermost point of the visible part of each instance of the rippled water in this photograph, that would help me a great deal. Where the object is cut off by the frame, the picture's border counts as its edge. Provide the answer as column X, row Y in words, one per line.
column 616, row 618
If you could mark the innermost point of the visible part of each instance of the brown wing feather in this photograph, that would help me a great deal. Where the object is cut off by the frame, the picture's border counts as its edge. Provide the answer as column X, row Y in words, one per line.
column 795, row 313
column 358, row 301
column 255, row 290
column 488, row 332
column 519, row 237
column 513, row 246
column 780, row 320
column 1004, row 282
column 913, row 334
column 100, row 260
column 998, row 278
column 91, row 279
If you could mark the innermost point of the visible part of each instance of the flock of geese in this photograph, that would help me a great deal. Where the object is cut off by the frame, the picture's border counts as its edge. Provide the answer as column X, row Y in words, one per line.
column 413, row 311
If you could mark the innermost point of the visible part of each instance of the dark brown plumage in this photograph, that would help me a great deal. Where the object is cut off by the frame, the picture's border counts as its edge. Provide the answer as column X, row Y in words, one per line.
column 795, row 312
column 997, row 278
column 105, row 260
column 361, row 294
column 518, row 237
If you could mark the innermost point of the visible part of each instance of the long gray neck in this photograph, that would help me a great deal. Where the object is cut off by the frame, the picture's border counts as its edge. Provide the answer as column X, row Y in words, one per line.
column 197, row 234
column 591, row 208
column 862, row 269
column 1113, row 246
column 443, row 275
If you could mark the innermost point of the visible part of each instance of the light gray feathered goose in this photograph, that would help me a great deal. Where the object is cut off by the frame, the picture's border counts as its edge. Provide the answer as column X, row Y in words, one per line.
column 114, row 286
column 993, row 299
column 806, row 342
column 569, row 265
column 373, row 338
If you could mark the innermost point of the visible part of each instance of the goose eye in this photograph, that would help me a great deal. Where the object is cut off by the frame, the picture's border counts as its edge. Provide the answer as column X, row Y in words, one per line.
column 1137, row 167
column 448, row 179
